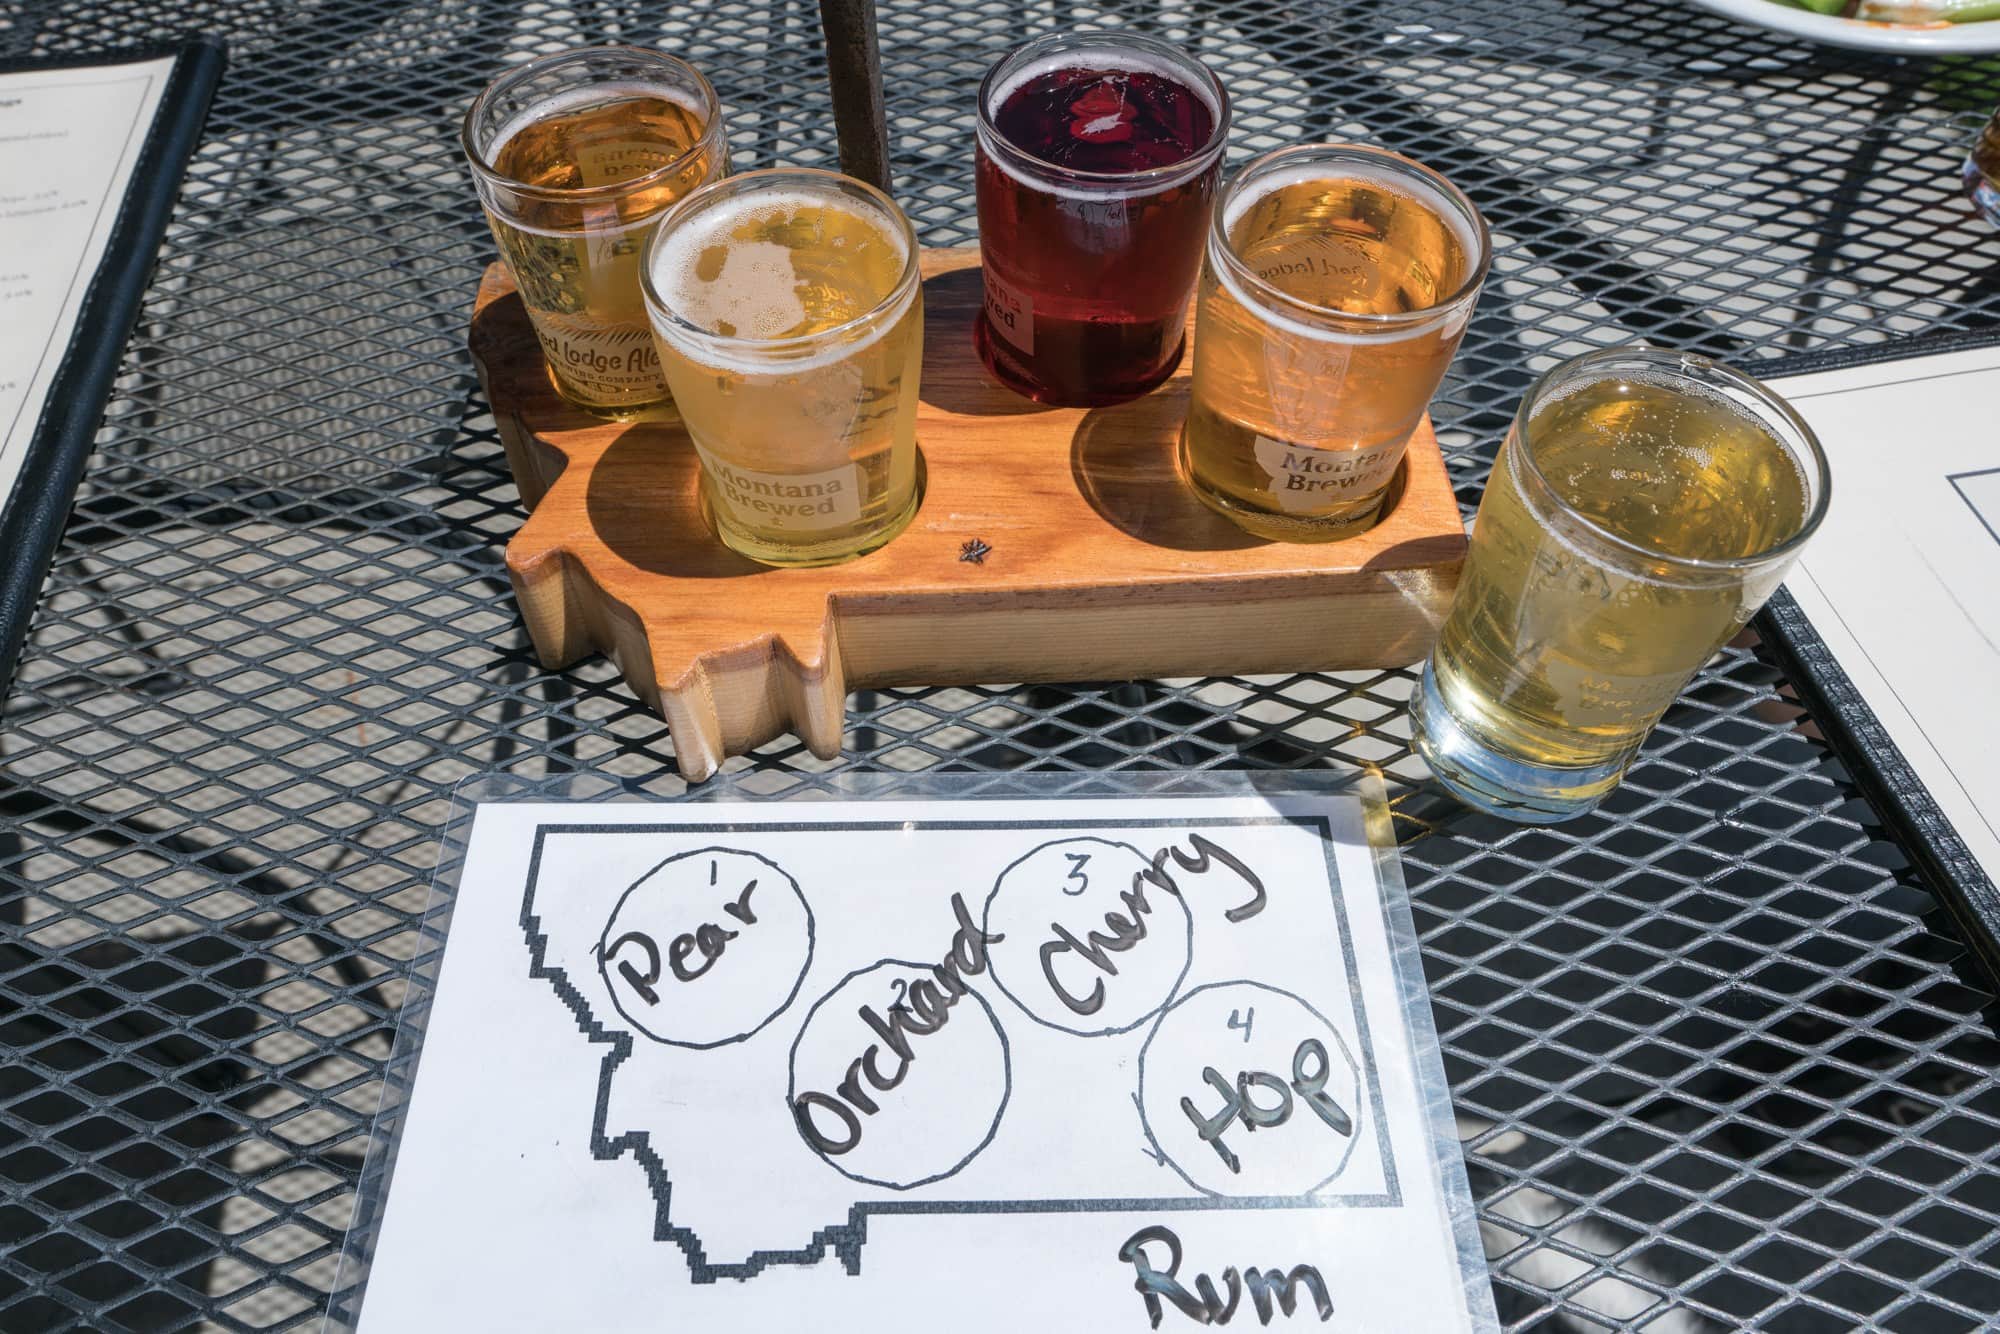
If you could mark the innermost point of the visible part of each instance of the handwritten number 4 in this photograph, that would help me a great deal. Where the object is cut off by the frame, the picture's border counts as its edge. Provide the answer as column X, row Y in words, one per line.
column 1249, row 1018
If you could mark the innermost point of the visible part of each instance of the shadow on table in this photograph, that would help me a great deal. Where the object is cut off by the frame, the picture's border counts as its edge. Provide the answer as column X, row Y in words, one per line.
column 954, row 377
column 127, row 1093
column 1123, row 460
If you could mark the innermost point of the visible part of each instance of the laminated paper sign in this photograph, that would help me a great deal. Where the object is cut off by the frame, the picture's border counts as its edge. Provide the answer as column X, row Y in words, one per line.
column 1151, row 1061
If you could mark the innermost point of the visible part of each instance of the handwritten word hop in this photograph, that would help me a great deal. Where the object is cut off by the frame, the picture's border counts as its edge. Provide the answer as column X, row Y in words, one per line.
column 707, row 947
column 1096, row 937
column 1249, row 1091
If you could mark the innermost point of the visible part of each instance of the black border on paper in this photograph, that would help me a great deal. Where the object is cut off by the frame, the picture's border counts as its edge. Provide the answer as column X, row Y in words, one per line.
column 845, row 1238
column 1442, row 1166
column 1856, row 734
column 33, row 518
column 1957, row 480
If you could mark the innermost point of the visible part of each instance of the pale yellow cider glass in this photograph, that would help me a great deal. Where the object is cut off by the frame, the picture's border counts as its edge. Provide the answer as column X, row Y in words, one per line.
column 789, row 315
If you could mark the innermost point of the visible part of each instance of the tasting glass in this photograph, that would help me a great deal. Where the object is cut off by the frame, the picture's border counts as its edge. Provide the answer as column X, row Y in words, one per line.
column 573, row 247
column 1339, row 281
column 1569, row 637
column 806, row 440
column 1088, row 274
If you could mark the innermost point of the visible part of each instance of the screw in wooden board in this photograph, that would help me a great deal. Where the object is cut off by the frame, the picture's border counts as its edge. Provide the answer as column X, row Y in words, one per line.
column 975, row 551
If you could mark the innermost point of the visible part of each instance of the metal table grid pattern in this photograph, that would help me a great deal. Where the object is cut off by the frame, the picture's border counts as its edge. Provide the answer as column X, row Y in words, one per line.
column 1719, row 1061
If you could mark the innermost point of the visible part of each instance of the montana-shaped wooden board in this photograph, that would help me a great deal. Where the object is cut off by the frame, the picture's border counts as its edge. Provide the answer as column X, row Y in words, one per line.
column 1053, row 545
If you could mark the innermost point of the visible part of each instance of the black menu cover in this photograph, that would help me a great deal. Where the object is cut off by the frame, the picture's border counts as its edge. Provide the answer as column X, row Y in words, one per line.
column 51, row 438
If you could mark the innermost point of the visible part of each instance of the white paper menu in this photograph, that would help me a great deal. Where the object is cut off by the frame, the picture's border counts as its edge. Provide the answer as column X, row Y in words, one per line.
column 69, row 140
column 1903, row 579
column 992, row 1065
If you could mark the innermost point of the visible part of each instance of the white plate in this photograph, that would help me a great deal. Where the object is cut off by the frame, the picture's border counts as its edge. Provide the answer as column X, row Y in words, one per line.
column 1950, row 39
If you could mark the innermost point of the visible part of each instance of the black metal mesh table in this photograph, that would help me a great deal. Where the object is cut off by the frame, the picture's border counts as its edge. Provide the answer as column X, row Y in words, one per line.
column 1719, row 1060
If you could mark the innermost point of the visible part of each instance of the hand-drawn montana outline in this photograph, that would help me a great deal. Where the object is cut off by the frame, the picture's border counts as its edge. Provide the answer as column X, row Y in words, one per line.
column 844, row 1240
column 1989, row 521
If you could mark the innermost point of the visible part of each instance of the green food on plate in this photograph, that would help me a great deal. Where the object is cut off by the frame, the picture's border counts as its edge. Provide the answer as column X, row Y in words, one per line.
column 1909, row 13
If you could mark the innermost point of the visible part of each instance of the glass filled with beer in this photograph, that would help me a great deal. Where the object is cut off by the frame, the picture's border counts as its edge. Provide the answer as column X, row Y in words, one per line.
column 1098, row 155
column 1645, row 505
column 577, row 156
column 1339, row 280
column 790, row 321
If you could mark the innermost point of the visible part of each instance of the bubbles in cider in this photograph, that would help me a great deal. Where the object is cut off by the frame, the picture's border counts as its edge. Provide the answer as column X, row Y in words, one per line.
column 1563, row 647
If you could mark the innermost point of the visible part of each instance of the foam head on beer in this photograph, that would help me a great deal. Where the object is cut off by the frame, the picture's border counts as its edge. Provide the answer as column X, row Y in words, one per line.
column 790, row 325
column 772, row 266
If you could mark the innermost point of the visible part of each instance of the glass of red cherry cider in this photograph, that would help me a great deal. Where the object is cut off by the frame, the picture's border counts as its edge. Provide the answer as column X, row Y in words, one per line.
column 1098, row 158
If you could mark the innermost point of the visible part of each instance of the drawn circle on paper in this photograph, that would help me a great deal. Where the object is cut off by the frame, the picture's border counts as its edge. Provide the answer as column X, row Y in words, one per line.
column 944, row 1105
column 707, row 947
column 1063, row 909
column 1234, row 1028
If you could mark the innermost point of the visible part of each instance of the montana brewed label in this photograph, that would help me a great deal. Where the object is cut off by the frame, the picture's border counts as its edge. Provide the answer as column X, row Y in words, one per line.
column 1305, row 480
column 786, row 502
column 1011, row 312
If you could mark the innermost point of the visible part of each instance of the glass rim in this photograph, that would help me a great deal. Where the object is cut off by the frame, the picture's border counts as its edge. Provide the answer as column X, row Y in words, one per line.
column 1683, row 366
column 505, row 81
column 817, row 178
column 1406, row 167
column 1193, row 164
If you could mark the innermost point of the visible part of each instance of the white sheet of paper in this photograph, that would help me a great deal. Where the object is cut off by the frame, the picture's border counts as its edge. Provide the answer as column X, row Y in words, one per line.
column 69, row 139
column 596, row 1142
column 1903, row 579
